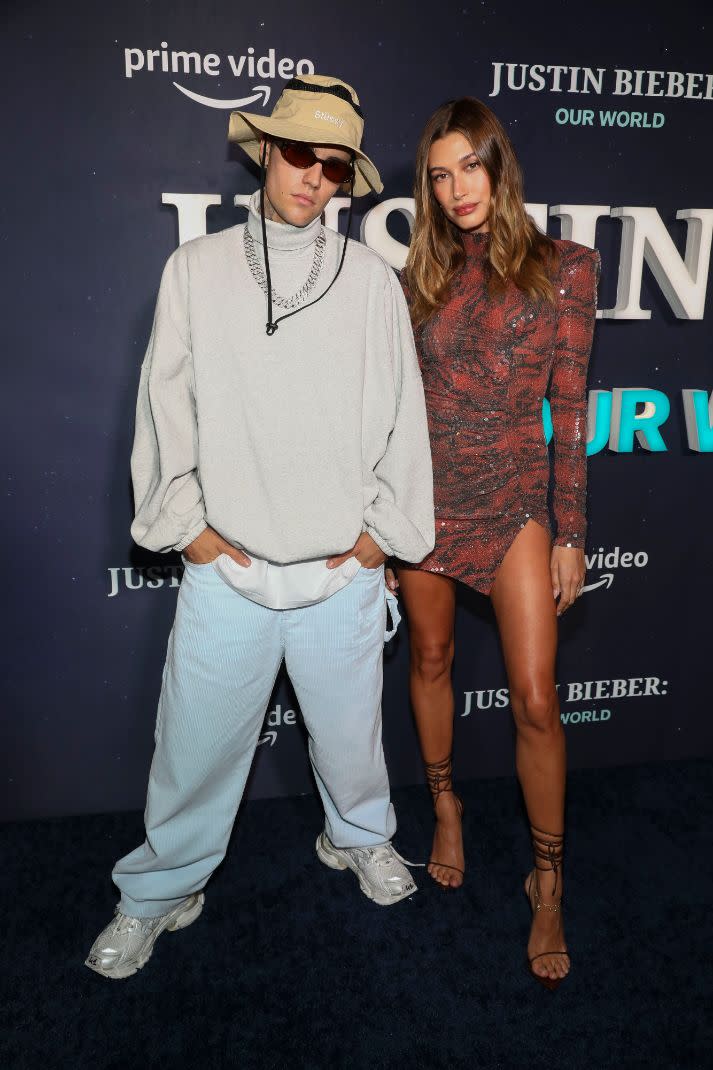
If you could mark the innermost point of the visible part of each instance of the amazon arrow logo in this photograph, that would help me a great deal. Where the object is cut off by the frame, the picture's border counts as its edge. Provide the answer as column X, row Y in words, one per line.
column 268, row 737
column 239, row 102
column 606, row 580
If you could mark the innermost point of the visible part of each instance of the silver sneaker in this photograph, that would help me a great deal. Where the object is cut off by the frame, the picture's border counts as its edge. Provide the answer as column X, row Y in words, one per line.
column 126, row 944
column 382, row 874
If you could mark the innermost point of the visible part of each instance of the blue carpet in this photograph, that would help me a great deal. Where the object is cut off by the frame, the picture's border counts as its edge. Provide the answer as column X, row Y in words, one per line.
column 290, row 967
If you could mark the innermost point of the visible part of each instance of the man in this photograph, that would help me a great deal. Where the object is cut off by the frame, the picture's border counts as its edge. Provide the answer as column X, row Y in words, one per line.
column 281, row 445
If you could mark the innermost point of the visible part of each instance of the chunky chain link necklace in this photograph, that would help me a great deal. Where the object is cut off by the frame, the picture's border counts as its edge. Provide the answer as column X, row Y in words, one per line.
column 258, row 274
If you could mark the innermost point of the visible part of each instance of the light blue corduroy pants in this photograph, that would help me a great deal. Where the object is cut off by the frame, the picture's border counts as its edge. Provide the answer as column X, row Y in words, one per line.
column 223, row 656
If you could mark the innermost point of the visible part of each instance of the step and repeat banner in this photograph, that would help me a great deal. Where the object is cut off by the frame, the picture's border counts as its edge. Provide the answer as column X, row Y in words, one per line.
column 115, row 120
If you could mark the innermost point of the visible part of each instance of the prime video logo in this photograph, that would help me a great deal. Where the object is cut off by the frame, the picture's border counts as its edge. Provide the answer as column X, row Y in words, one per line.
column 164, row 60
column 275, row 719
column 611, row 560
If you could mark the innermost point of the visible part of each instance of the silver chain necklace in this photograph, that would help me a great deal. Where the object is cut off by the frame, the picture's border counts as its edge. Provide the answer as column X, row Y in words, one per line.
column 258, row 273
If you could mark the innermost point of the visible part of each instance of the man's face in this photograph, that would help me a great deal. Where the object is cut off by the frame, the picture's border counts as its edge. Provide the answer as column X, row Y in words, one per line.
column 298, row 196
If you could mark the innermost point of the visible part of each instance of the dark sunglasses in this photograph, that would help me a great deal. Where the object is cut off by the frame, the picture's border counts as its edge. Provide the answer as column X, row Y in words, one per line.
column 300, row 155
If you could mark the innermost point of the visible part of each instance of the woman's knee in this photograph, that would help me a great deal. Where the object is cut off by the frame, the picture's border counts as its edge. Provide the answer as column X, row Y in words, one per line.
column 536, row 709
column 431, row 659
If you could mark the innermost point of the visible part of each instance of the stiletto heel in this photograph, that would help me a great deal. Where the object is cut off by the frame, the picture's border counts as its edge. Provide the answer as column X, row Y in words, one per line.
column 547, row 848
column 439, row 776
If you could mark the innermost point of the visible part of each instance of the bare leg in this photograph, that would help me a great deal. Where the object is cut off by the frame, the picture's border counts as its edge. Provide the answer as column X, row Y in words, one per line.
column 526, row 615
column 430, row 606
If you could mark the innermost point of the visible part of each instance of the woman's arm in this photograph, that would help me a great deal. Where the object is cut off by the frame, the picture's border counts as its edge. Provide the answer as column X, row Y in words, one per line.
column 576, row 286
column 576, row 314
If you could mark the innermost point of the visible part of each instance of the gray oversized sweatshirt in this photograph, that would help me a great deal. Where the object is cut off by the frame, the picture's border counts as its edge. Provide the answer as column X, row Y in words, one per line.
column 289, row 446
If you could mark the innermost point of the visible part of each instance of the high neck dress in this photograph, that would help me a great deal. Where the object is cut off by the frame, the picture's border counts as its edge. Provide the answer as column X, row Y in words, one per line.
column 487, row 363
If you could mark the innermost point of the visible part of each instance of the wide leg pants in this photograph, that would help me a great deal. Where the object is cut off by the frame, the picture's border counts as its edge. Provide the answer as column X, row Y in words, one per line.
column 223, row 656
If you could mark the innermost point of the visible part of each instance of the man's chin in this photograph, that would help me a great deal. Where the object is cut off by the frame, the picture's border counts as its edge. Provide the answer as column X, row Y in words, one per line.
column 299, row 215
column 303, row 219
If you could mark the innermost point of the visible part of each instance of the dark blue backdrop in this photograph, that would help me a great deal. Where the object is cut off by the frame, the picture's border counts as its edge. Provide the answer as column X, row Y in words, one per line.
column 90, row 152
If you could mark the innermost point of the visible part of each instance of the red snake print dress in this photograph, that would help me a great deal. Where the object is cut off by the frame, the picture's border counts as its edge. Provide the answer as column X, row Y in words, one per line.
column 487, row 363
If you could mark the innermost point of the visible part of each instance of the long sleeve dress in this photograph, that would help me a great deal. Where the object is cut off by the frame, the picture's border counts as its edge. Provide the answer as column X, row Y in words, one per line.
column 487, row 363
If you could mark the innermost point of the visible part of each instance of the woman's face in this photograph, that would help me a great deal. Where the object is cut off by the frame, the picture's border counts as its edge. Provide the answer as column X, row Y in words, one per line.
column 459, row 182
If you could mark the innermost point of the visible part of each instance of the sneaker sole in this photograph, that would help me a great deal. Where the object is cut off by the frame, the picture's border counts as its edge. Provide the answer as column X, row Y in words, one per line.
column 181, row 921
column 335, row 859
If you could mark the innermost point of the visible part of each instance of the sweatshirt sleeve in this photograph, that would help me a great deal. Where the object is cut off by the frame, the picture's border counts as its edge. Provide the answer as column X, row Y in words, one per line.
column 400, row 518
column 576, row 312
column 164, row 460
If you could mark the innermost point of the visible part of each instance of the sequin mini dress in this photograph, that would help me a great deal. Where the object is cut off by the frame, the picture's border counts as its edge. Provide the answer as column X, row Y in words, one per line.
column 487, row 363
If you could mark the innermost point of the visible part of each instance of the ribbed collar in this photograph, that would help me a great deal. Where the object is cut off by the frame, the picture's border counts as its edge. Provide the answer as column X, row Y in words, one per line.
column 281, row 236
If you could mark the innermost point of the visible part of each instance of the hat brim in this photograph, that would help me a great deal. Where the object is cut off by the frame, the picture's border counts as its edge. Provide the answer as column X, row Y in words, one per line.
column 247, row 129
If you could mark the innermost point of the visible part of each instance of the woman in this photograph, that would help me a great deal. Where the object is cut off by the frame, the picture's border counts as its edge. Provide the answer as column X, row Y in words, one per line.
column 501, row 312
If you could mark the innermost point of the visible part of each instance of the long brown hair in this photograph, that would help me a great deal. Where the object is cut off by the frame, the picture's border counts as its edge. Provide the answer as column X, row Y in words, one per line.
column 518, row 251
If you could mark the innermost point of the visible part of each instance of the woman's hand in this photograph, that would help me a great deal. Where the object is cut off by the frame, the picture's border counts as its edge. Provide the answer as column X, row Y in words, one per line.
column 209, row 545
column 367, row 553
column 568, row 569
column 392, row 580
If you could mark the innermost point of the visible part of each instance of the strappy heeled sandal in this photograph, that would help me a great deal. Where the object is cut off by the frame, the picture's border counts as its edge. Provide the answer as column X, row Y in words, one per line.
column 439, row 776
column 550, row 849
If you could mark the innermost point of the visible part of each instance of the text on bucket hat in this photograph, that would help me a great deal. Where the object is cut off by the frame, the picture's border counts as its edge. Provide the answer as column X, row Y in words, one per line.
column 317, row 110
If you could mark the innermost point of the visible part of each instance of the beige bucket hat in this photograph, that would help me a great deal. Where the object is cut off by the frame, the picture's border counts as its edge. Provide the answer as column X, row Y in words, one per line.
column 317, row 110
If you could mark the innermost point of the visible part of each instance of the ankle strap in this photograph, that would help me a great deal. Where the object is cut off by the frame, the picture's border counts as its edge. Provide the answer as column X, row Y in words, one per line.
column 439, row 776
column 548, row 847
